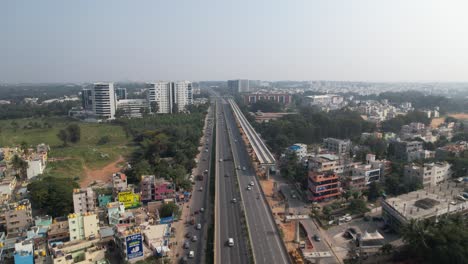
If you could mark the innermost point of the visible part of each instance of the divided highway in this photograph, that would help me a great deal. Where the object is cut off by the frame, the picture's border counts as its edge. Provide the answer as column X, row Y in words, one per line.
column 267, row 244
column 227, row 213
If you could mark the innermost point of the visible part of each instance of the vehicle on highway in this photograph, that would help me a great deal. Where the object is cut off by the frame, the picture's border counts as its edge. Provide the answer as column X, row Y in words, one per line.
column 231, row 242
column 249, row 188
column 317, row 238
column 251, row 183
column 188, row 235
column 194, row 239
column 239, row 167
column 198, row 227
column 226, row 175
column 202, row 210
column 186, row 245
column 205, row 171
column 234, row 200
column 220, row 160
column 191, row 254
column 235, row 140
column 243, row 168
column 200, row 189
column 206, row 150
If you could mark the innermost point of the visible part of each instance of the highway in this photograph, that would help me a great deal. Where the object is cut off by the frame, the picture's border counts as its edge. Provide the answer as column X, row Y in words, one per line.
column 267, row 244
column 200, row 199
column 227, row 213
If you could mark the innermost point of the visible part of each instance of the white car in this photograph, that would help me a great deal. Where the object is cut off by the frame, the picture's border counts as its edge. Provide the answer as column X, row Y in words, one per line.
column 251, row 183
column 191, row 254
column 198, row 227
column 231, row 242
column 249, row 188
column 234, row 200
column 220, row 160
column 243, row 168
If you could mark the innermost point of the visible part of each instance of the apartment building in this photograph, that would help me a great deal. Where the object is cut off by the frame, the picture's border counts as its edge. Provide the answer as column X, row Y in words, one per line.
column 282, row 98
column 339, row 146
column 429, row 174
column 339, row 164
column 59, row 230
column 121, row 93
column 84, row 200
column 156, row 189
column 238, row 86
column 119, row 182
column 299, row 149
column 18, row 217
column 361, row 176
column 455, row 150
column 129, row 242
column 87, row 99
column 170, row 96
column 83, row 226
column 405, row 150
column 104, row 100
column 323, row 186
column 133, row 107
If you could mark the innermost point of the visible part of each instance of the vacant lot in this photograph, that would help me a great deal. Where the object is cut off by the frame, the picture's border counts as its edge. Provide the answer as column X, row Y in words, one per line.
column 71, row 160
column 461, row 116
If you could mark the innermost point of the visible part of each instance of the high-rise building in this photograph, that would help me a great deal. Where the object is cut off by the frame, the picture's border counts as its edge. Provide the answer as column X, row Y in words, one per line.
column 170, row 96
column 104, row 101
column 84, row 200
column 87, row 99
column 121, row 93
column 239, row 86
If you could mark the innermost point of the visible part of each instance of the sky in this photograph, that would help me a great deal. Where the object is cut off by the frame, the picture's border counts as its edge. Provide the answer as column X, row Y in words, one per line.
column 148, row 40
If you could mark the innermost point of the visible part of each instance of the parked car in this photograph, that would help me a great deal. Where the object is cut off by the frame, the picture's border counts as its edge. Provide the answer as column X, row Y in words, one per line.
column 186, row 245
column 194, row 238
column 317, row 238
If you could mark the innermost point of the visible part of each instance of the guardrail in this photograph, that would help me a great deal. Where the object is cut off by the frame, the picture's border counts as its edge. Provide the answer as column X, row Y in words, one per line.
column 261, row 151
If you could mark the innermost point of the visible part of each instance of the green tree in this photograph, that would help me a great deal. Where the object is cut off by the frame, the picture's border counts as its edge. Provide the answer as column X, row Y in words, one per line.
column 154, row 107
column 63, row 136
column 168, row 209
column 119, row 113
column 358, row 206
column 175, row 108
column 24, row 147
column 375, row 190
column 20, row 166
column 74, row 133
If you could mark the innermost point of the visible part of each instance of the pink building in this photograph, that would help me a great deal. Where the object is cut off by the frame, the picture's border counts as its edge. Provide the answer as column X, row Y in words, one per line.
column 153, row 188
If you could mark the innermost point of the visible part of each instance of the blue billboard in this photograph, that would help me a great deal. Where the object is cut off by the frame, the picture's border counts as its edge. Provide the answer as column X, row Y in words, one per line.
column 134, row 246
column 166, row 220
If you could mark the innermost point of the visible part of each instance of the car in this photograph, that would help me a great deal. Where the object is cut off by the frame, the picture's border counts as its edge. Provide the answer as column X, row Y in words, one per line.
column 204, row 159
column 239, row 167
column 230, row 242
column 249, row 188
column 200, row 189
column 220, row 160
column 188, row 235
column 206, row 150
column 198, row 227
column 226, row 175
column 243, row 168
column 202, row 210
column 194, row 238
column 251, row 183
column 205, row 171
column 191, row 254
column 234, row 200
column 317, row 238
column 186, row 245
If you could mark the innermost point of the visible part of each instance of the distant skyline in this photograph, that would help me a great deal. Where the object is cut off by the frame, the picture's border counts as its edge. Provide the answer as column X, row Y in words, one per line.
column 52, row 41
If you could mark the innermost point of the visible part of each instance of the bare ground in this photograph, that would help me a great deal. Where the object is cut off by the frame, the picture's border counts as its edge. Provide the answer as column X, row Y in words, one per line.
column 103, row 174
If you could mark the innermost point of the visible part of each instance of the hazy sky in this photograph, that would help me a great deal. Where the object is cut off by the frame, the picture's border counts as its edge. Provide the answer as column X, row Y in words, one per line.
column 110, row 40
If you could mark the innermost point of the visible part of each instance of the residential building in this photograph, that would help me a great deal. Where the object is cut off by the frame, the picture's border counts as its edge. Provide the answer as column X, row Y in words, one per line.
column 114, row 210
column 323, row 186
column 84, row 200
column 156, row 237
column 87, row 99
column 430, row 174
column 129, row 242
column 18, row 217
column 133, row 107
column 89, row 251
column 170, row 96
column 326, row 102
column 428, row 203
column 339, row 164
column 282, row 98
column 156, row 189
column 362, row 175
column 24, row 252
column 299, row 149
column 59, row 230
column 104, row 100
column 238, row 86
column 36, row 164
column 119, row 182
column 339, row 146
column 405, row 150
column 83, row 226
column 121, row 93
column 7, row 185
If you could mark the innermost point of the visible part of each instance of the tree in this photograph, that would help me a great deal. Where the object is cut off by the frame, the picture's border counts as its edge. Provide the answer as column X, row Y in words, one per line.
column 103, row 140
column 386, row 249
column 186, row 185
column 144, row 111
column 63, row 136
column 120, row 112
column 375, row 190
column 74, row 133
column 358, row 206
column 19, row 165
column 168, row 210
column 24, row 147
column 154, row 107
column 175, row 109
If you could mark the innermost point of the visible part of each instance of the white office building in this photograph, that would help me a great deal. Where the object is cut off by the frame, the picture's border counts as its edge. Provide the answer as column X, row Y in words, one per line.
column 170, row 95
column 239, row 86
column 104, row 101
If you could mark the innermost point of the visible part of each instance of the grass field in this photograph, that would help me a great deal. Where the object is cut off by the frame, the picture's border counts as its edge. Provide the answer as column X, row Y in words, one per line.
column 71, row 160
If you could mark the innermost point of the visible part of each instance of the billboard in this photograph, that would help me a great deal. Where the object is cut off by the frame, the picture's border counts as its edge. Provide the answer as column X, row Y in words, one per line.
column 134, row 246
column 129, row 199
column 166, row 220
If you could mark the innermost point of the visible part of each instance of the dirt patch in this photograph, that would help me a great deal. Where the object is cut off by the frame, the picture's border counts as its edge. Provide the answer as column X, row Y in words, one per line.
column 435, row 122
column 103, row 174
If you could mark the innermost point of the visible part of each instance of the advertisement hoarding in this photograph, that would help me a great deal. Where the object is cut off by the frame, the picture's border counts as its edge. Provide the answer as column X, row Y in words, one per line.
column 134, row 246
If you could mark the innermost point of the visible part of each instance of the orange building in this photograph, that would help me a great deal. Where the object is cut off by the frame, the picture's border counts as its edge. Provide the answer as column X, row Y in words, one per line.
column 324, row 185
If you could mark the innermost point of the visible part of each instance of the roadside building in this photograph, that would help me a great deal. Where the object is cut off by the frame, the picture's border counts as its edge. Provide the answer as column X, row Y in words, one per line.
column 129, row 242
column 451, row 150
column 156, row 237
column 406, row 150
column 156, row 189
column 59, row 230
column 133, row 107
column 429, row 174
column 362, row 175
column 299, row 149
column 282, row 98
column 89, row 251
column 428, row 203
column 24, row 252
column 339, row 164
column 84, row 200
column 7, row 185
column 119, row 182
column 323, row 186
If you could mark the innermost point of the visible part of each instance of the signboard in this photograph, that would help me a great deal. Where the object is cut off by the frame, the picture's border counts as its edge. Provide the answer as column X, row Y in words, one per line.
column 134, row 246
column 129, row 199
column 166, row 220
